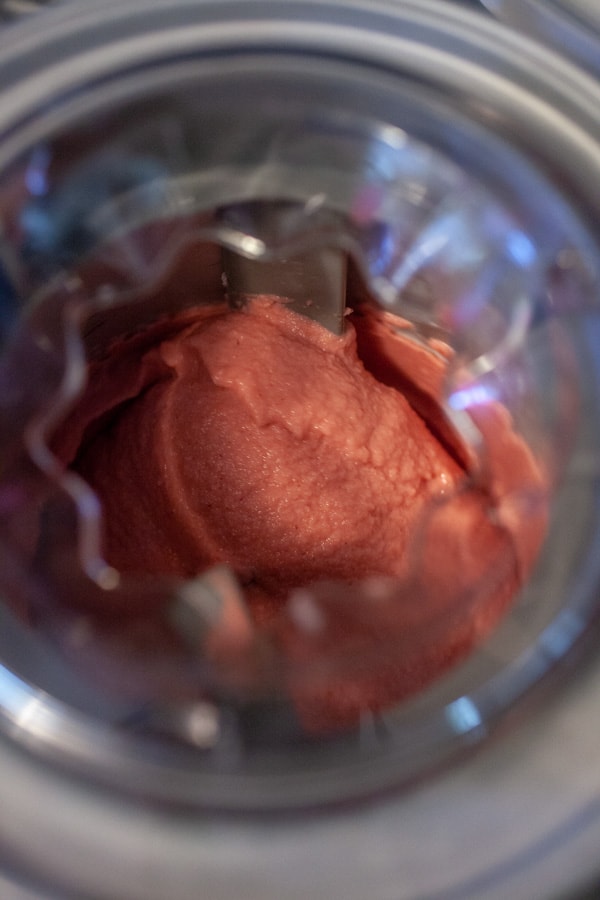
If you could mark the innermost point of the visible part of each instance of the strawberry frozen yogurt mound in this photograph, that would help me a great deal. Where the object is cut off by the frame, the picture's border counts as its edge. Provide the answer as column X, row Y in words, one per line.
column 321, row 470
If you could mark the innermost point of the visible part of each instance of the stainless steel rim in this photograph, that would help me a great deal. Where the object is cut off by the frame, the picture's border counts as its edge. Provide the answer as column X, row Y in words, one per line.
column 572, row 29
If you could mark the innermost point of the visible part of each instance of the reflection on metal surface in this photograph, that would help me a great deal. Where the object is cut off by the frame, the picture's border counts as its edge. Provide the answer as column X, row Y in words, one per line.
column 13, row 9
column 572, row 27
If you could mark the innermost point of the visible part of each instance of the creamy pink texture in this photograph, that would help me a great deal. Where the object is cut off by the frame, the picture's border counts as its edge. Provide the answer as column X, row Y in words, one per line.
column 259, row 439
column 267, row 445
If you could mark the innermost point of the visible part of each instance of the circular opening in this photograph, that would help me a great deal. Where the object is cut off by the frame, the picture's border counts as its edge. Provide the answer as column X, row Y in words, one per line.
column 400, row 303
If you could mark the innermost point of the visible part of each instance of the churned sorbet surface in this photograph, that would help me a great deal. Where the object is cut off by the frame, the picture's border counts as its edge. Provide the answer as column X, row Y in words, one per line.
column 256, row 438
